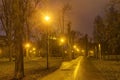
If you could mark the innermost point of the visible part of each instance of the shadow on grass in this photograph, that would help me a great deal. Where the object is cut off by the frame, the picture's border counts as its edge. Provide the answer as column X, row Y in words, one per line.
column 39, row 73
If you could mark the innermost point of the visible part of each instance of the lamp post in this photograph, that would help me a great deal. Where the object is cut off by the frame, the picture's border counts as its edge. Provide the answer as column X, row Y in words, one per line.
column 47, row 19
column 99, row 49
column 75, row 47
column 62, row 41
column 27, row 46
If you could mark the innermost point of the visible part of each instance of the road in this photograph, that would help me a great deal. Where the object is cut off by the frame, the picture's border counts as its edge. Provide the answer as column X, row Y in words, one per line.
column 78, row 69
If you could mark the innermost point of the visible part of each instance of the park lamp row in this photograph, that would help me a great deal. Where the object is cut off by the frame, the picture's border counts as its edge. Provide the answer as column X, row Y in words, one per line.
column 76, row 48
column 28, row 46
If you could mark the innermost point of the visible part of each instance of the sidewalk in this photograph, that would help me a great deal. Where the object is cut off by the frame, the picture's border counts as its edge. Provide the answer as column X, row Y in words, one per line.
column 87, row 71
column 67, row 71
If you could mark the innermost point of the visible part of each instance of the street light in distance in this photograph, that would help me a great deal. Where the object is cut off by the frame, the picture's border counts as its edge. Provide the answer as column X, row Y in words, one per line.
column 62, row 40
column 27, row 45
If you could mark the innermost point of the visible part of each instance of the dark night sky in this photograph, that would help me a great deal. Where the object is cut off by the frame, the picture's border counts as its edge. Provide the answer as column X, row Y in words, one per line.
column 83, row 13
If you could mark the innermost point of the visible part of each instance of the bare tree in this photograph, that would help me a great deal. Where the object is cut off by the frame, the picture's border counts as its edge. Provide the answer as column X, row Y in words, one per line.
column 65, row 9
column 15, row 16
column 6, row 20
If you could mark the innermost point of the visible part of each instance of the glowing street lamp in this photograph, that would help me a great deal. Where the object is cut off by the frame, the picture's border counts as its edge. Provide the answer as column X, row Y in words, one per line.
column 82, row 51
column 78, row 50
column 74, row 46
column 27, row 46
column 99, row 49
column 54, row 38
column 47, row 19
column 62, row 40
column 30, row 51
column 65, row 52
column 34, row 49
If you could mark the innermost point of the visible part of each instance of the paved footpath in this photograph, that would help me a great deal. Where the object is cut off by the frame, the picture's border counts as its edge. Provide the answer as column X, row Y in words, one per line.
column 88, row 72
column 78, row 69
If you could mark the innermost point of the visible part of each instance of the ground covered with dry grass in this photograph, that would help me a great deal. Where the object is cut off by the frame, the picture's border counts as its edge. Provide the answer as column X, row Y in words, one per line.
column 109, row 69
column 34, row 68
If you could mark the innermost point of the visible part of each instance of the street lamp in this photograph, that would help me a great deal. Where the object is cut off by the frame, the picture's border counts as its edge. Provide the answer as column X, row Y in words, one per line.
column 62, row 40
column 74, row 46
column 47, row 19
column 78, row 50
column 27, row 46
column 83, row 51
column 99, row 49
column 34, row 49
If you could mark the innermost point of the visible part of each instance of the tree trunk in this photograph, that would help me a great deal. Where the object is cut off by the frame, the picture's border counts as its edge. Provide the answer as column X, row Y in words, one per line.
column 19, row 62
column 10, row 53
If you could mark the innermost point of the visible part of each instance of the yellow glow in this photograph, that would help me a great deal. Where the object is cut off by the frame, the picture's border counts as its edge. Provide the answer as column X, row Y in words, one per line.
column 34, row 49
column 91, row 51
column 27, row 45
column 74, row 46
column 34, row 52
column 65, row 51
column 47, row 18
column 54, row 38
column 99, row 45
column 78, row 50
column 82, row 51
column 72, row 51
column 30, row 51
column 75, row 73
column 62, row 40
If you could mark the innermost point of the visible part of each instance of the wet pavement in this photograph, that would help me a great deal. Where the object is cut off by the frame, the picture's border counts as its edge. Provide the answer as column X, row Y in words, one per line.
column 88, row 72
column 78, row 69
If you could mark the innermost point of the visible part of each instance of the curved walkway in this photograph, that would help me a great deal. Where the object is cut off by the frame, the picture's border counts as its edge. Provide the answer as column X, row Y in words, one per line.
column 78, row 69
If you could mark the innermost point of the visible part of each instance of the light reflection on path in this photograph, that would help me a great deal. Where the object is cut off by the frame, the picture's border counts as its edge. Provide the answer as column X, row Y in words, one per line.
column 78, row 69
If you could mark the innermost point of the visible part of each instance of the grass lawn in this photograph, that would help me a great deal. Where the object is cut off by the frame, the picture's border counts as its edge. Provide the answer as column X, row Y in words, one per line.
column 35, row 68
column 109, row 69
